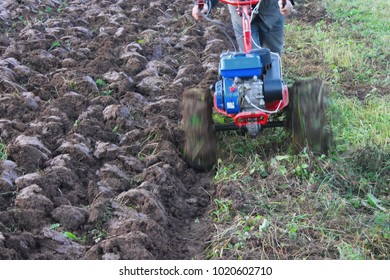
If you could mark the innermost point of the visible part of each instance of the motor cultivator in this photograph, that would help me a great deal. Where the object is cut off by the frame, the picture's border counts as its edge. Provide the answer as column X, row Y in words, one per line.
column 250, row 88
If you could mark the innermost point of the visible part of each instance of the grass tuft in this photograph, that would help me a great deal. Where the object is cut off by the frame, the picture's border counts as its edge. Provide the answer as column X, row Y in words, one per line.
column 3, row 153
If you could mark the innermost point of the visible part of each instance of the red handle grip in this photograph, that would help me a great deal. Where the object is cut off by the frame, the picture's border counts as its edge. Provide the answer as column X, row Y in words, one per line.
column 240, row 3
column 200, row 4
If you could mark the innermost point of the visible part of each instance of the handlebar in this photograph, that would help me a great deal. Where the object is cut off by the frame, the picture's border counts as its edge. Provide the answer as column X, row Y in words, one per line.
column 247, row 2
column 235, row 2
column 238, row 2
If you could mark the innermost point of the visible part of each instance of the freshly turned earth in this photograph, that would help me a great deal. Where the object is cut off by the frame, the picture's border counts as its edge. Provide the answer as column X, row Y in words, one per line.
column 90, row 111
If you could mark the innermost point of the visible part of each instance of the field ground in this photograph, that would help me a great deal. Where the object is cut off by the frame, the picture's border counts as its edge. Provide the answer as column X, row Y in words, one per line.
column 91, row 143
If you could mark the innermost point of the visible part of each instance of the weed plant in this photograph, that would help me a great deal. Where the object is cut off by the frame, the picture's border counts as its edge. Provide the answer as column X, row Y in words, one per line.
column 3, row 153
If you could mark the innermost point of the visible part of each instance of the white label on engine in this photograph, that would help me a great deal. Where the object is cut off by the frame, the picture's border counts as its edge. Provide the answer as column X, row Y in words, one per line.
column 230, row 105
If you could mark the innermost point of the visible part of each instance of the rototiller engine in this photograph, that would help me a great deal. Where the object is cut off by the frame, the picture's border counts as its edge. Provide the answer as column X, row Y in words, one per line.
column 251, row 85
column 249, row 89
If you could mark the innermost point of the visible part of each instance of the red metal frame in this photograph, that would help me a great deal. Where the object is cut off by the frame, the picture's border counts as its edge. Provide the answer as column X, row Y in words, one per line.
column 245, row 9
column 259, row 117
column 238, row 2
column 200, row 4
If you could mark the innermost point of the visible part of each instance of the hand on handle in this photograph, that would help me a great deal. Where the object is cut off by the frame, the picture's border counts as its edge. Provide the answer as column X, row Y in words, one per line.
column 286, row 7
column 196, row 11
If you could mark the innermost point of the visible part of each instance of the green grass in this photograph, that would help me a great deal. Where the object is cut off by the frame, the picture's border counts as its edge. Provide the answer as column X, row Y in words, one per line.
column 336, row 57
column 273, row 204
column 352, row 48
column 359, row 124
column 368, row 24
column 101, row 83
column 54, row 45
column 369, row 19
column 3, row 153
column 322, row 213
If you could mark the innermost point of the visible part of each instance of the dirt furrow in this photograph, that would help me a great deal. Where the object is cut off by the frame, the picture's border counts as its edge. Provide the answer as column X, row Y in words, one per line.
column 90, row 110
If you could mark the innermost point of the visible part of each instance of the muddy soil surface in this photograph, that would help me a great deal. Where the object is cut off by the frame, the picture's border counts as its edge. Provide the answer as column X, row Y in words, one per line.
column 90, row 111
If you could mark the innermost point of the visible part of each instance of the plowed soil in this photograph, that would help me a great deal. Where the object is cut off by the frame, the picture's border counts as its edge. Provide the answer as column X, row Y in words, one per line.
column 90, row 111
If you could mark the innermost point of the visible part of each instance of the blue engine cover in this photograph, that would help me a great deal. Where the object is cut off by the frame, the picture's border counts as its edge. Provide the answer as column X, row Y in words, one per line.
column 231, row 101
column 226, row 96
column 240, row 65
column 260, row 63
column 219, row 95
column 235, row 64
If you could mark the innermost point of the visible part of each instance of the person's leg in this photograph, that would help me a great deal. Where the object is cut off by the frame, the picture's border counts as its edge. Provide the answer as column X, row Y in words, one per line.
column 272, row 38
column 237, row 27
